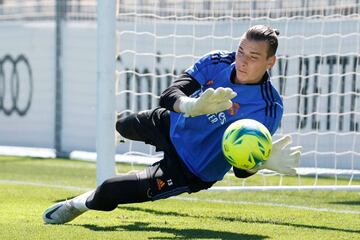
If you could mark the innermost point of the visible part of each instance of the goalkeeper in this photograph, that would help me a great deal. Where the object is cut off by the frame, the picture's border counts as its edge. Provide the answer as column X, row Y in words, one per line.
column 220, row 88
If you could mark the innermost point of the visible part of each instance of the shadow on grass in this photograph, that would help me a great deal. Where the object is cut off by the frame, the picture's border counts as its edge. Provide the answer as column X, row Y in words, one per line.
column 351, row 203
column 239, row 219
column 156, row 212
column 178, row 233
column 258, row 221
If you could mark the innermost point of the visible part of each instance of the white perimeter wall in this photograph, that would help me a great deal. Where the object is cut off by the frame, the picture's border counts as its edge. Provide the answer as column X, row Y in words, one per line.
column 36, row 42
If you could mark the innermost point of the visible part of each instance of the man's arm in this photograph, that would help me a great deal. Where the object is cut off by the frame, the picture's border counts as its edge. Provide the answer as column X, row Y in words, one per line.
column 175, row 98
column 183, row 86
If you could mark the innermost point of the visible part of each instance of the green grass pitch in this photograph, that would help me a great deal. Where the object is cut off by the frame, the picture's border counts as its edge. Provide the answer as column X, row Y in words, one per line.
column 28, row 186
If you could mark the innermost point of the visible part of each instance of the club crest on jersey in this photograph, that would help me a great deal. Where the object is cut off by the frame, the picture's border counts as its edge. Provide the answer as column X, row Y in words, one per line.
column 234, row 108
column 160, row 184
column 209, row 82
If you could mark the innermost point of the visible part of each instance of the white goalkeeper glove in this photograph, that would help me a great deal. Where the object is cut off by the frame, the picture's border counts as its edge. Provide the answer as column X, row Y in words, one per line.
column 283, row 158
column 210, row 101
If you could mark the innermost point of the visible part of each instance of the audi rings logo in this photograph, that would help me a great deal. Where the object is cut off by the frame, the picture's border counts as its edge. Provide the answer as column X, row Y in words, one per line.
column 16, row 85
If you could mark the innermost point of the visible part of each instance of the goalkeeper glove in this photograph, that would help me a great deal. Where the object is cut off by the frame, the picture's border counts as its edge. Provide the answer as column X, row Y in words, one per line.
column 283, row 159
column 210, row 101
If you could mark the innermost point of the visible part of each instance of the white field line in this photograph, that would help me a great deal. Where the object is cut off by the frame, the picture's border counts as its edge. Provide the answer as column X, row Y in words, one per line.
column 73, row 188
column 40, row 184
column 269, row 204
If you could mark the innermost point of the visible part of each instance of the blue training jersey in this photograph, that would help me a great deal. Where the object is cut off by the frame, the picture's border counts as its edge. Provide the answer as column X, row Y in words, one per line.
column 197, row 140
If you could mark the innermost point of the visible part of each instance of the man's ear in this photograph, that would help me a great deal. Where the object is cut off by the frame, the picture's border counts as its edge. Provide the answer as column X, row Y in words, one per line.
column 271, row 61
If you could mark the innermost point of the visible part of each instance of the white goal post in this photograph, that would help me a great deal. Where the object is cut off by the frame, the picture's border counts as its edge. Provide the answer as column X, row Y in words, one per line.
column 317, row 74
column 105, row 144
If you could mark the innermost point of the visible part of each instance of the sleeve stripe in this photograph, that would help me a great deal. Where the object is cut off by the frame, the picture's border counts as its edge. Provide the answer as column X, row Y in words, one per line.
column 268, row 97
column 223, row 57
column 265, row 100
column 273, row 105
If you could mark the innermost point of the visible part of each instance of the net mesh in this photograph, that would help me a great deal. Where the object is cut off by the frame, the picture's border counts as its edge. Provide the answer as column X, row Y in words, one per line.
column 317, row 72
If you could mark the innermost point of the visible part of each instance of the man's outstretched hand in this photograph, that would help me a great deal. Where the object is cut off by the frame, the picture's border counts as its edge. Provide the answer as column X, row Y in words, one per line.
column 210, row 101
column 283, row 158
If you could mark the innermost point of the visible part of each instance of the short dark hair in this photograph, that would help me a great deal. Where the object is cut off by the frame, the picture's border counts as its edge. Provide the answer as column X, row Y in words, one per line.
column 264, row 33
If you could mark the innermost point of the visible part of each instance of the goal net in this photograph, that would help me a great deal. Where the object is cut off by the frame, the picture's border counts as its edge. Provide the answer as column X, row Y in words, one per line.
column 317, row 74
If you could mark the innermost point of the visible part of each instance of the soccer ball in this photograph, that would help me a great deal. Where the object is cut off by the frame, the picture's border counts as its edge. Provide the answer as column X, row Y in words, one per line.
column 246, row 143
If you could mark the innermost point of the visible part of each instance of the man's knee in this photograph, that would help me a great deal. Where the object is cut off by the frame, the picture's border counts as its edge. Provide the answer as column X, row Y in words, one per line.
column 119, row 128
column 125, row 125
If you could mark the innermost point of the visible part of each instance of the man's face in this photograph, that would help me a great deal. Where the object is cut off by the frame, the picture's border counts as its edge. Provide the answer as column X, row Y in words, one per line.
column 252, row 61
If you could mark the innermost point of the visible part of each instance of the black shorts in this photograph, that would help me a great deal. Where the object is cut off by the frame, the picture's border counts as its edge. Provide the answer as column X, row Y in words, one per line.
column 169, row 176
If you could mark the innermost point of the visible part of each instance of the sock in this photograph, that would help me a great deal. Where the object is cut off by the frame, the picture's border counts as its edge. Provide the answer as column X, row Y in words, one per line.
column 79, row 202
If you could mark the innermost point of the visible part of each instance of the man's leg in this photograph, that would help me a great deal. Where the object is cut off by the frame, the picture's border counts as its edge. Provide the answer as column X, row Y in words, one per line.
column 123, row 189
column 150, row 126
column 161, row 180
column 166, row 178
